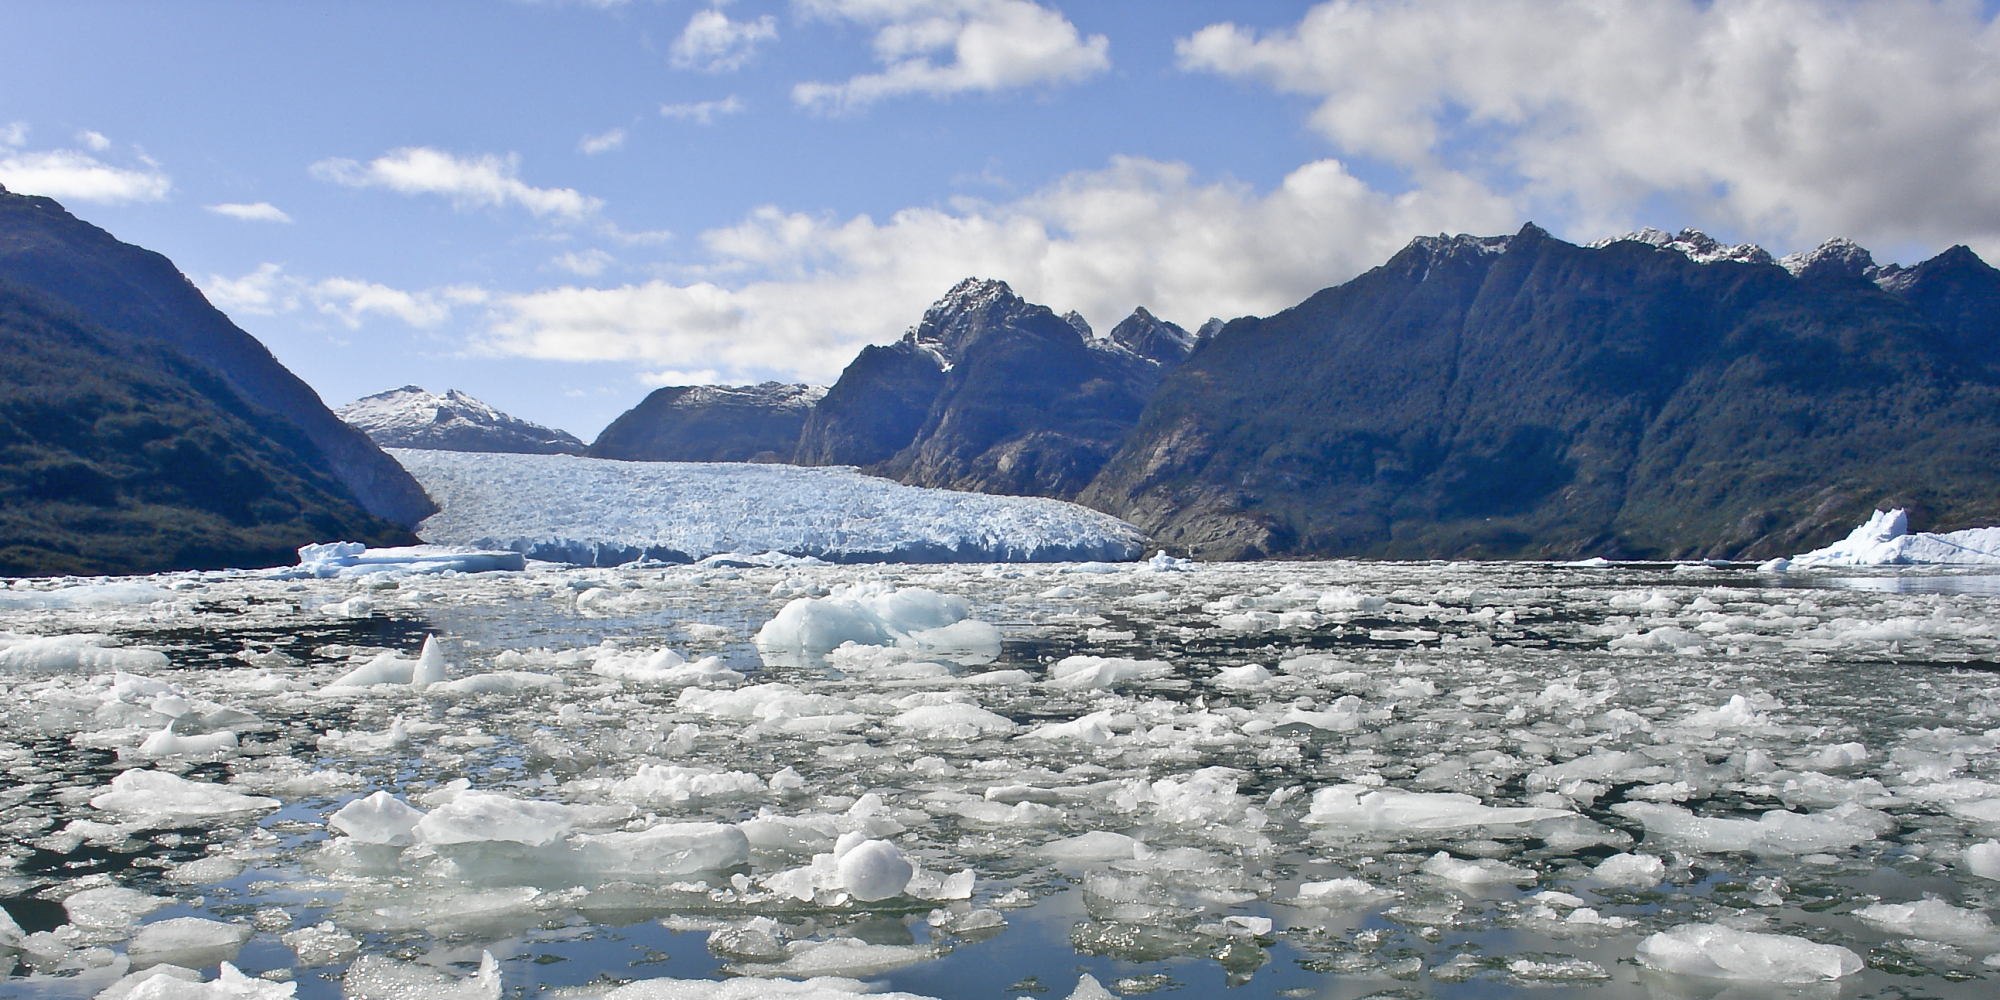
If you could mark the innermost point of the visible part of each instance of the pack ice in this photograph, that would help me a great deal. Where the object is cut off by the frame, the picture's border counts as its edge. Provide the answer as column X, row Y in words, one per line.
column 594, row 512
column 781, row 778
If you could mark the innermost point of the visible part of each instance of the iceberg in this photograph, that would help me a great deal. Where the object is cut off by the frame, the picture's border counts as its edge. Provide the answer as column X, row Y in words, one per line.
column 346, row 560
column 1886, row 540
column 601, row 512
column 1717, row 952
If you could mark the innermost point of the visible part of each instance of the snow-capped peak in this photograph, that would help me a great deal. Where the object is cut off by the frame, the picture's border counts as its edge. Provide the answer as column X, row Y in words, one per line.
column 410, row 417
column 1075, row 319
column 1836, row 256
column 1444, row 243
column 948, row 319
column 1693, row 244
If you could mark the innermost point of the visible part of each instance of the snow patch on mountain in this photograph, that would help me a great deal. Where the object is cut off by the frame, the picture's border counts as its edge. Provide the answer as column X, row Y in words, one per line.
column 1694, row 244
column 602, row 512
column 411, row 417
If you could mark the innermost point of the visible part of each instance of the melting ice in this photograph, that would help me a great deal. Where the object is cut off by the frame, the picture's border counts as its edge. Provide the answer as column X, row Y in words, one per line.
column 797, row 779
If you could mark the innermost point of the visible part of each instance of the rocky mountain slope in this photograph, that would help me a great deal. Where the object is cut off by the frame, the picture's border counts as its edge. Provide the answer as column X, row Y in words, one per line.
column 139, row 293
column 410, row 417
column 711, row 423
column 1524, row 397
column 118, row 454
column 995, row 394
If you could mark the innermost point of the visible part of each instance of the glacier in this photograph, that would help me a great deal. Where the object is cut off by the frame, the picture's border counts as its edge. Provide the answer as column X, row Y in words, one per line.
column 602, row 512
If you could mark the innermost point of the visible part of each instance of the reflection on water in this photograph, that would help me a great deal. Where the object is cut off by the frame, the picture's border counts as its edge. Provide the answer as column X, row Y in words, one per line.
column 1983, row 584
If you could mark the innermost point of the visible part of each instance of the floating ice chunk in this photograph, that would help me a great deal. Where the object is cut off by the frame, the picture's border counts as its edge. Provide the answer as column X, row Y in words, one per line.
column 1983, row 859
column 1094, row 729
column 952, row 722
column 1776, row 832
column 430, row 668
column 353, row 559
column 497, row 682
column 111, row 907
column 353, row 607
column 1718, row 952
column 1358, row 808
column 380, row 818
column 1249, row 676
column 99, row 595
column 159, row 798
column 664, row 666
column 321, row 944
column 1665, row 639
column 11, row 934
column 961, row 642
column 189, row 941
column 471, row 817
column 363, row 742
column 1164, row 563
column 671, row 784
column 1482, row 871
column 838, row 957
column 1097, row 845
column 871, row 870
column 1104, row 671
column 1642, row 870
column 1932, row 919
column 167, row 743
column 88, row 651
column 874, row 615
column 1342, row 894
column 388, row 667
column 817, row 988
column 1736, row 713
column 663, row 851
column 376, row 977
column 1836, row 757
column 1345, row 599
column 172, row 982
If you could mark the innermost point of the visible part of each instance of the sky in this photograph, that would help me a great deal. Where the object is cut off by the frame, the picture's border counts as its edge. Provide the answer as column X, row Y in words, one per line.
column 560, row 206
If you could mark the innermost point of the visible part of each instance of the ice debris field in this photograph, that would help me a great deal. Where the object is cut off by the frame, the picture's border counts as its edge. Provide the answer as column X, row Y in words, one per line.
column 1069, row 780
column 599, row 512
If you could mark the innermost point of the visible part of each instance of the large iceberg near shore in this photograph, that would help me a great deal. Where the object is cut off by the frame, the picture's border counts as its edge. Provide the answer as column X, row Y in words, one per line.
column 600, row 512
column 1886, row 540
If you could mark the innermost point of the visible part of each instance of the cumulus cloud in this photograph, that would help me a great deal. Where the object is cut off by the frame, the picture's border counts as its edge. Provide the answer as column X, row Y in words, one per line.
column 268, row 290
column 262, row 211
column 713, row 43
column 798, row 294
column 75, row 176
column 602, row 142
column 469, row 182
column 669, row 376
column 94, row 141
column 703, row 112
column 1784, row 120
column 992, row 44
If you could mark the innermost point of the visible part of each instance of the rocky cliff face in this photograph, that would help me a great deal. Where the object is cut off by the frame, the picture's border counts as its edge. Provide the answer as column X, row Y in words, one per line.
column 136, row 292
column 711, row 423
column 118, row 454
column 994, row 394
column 410, row 417
column 1524, row 397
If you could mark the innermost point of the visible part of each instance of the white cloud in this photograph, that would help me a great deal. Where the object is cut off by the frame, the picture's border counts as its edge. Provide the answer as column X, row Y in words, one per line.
column 14, row 134
column 703, row 112
column 589, row 263
column 470, row 182
column 262, row 211
column 602, row 142
column 68, row 174
column 96, row 141
column 713, row 43
column 804, row 292
column 668, row 376
column 268, row 290
column 994, row 45
column 1783, row 120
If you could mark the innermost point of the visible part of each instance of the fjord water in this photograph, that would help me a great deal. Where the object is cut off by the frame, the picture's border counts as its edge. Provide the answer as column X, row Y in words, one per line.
column 1249, row 791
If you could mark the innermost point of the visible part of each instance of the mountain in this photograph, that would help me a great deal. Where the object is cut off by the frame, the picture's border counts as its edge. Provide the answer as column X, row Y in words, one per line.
column 994, row 394
column 138, row 293
column 410, row 417
column 711, row 423
column 1653, row 396
column 118, row 454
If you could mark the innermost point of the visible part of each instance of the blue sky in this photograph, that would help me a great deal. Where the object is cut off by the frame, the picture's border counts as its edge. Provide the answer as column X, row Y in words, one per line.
column 558, row 206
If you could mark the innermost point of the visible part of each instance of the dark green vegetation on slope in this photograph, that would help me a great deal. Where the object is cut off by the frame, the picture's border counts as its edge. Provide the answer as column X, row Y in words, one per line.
column 120, row 455
column 1526, row 397
column 140, row 294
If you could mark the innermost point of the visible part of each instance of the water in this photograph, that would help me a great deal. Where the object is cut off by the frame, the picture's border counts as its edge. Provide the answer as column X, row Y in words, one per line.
column 1480, row 679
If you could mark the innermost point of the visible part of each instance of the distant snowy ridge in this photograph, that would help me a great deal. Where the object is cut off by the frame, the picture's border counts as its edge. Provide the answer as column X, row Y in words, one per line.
column 601, row 512
column 1886, row 540
column 411, row 417
column 1836, row 256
